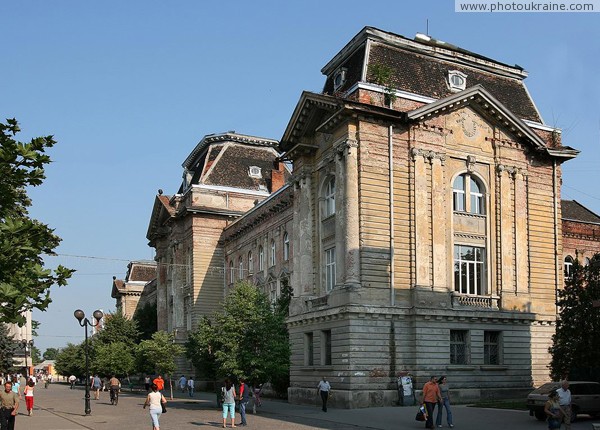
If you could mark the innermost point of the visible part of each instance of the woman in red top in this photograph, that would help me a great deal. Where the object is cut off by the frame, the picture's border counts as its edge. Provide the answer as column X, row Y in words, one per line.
column 431, row 396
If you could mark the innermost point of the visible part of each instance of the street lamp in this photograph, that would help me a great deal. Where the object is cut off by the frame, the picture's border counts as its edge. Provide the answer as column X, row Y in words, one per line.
column 27, row 345
column 84, row 322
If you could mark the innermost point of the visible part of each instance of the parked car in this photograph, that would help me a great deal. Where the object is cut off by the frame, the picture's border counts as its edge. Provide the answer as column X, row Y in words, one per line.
column 585, row 399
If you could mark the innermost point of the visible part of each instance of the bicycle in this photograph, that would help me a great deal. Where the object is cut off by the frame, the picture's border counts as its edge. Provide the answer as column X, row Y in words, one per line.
column 114, row 395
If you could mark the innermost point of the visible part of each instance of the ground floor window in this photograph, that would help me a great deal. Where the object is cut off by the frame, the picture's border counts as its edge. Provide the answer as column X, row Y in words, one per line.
column 326, row 347
column 308, row 349
column 459, row 347
column 491, row 347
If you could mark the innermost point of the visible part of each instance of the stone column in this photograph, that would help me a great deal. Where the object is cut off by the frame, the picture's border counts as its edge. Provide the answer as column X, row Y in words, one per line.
column 439, row 224
column 303, row 233
column 421, row 216
column 350, row 234
column 506, row 222
column 521, row 233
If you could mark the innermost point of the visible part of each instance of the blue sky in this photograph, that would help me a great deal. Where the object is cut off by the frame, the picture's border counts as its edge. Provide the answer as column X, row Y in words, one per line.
column 129, row 87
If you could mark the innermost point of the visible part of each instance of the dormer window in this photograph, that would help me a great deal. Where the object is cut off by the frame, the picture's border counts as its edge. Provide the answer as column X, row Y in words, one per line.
column 254, row 172
column 339, row 78
column 457, row 81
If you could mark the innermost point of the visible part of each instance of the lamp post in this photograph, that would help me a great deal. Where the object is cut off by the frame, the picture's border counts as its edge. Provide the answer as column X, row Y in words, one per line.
column 84, row 322
column 27, row 345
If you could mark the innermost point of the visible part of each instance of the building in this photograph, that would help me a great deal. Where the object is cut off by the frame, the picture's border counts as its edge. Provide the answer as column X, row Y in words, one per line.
column 137, row 288
column 420, row 229
column 581, row 234
column 23, row 337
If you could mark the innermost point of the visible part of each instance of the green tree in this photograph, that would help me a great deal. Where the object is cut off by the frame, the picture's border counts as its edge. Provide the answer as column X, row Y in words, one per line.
column 248, row 339
column 24, row 281
column 36, row 356
column 50, row 353
column 576, row 343
column 71, row 360
column 113, row 359
column 117, row 328
column 157, row 355
column 7, row 349
column 147, row 321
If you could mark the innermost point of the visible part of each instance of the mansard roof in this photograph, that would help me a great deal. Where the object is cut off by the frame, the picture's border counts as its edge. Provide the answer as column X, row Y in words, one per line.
column 572, row 210
column 141, row 271
column 421, row 67
column 230, row 136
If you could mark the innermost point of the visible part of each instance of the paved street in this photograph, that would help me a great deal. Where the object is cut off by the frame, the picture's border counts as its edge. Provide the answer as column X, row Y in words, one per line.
column 59, row 408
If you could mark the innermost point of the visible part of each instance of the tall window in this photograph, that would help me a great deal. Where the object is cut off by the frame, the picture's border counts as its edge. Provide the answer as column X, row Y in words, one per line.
column 468, row 195
column 231, row 272
column 272, row 257
column 568, row 267
column 329, row 198
column 491, row 347
column 469, row 270
column 273, row 293
column 240, row 268
column 286, row 247
column 459, row 348
column 326, row 348
column 308, row 349
column 261, row 258
column 329, row 269
column 250, row 263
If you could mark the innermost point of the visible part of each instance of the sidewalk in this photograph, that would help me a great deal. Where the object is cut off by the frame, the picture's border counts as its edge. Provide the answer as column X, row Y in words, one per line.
column 59, row 408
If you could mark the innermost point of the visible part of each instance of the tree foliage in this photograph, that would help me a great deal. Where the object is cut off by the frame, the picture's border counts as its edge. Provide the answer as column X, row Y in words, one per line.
column 7, row 349
column 576, row 342
column 36, row 356
column 157, row 355
column 71, row 360
column 248, row 339
column 24, row 281
column 50, row 353
column 114, row 358
column 117, row 328
column 147, row 321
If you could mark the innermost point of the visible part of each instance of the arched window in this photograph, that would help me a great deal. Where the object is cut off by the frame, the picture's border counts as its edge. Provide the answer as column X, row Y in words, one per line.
column 272, row 256
column 464, row 186
column 250, row 263
column 240, row 268
column 329, row 198
column 568, row 267
column 261, row 258
column 286, row 247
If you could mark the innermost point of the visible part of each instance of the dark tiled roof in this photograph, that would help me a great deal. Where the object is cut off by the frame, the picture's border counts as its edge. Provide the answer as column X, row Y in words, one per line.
column 142, row 272
column 353, row 65
column 231, row 170
column 574, row 211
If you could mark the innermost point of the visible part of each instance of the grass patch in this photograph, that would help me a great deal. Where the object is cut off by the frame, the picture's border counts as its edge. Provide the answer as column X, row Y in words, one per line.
column 518, row 404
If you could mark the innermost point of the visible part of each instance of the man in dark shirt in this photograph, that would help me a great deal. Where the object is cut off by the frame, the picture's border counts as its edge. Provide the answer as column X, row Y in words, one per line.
column 9, row 405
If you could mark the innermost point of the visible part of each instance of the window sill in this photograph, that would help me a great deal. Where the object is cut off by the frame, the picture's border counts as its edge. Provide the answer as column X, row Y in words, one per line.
column 316, row 368
column 493, row 367
column 461, row 367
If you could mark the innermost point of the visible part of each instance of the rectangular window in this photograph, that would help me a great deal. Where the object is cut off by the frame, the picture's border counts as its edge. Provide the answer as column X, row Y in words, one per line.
column 469, row 270
column 308, row 349
column 329, row 269
column 459, row 347
column 491, row 347
column 326, row 348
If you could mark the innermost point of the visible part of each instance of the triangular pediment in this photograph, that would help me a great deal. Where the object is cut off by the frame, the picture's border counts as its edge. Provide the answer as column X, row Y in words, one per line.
column 484, row 104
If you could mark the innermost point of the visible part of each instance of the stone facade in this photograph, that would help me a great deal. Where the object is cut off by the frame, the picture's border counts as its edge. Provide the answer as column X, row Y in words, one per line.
column 420, row 230
column 581, row 234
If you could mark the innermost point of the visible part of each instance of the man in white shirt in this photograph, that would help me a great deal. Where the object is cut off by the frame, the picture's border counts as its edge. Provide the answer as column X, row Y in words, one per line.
column 191, row 386
column 182, row 383
column 564, row 399
column 324, row 389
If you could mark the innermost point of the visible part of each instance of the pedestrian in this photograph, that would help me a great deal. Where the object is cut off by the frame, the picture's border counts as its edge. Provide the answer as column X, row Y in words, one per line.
column 28, row 392
column 445, row 403
column 553, row 411
column 564, row 400
column 160, row 383
column 228, row 401
column 182, row 383
column 431, row 396
column 16, row 387
column 324, row 389
column 155, row 400
column 147, row 383
column 96, row 386
column 191, row 386
column 9, row 405
column 72, row 380
column 244, row 399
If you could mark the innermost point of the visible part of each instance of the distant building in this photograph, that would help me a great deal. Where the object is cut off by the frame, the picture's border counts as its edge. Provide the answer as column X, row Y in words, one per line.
column 581, row 234
column 23, row 333
column 136, row 290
